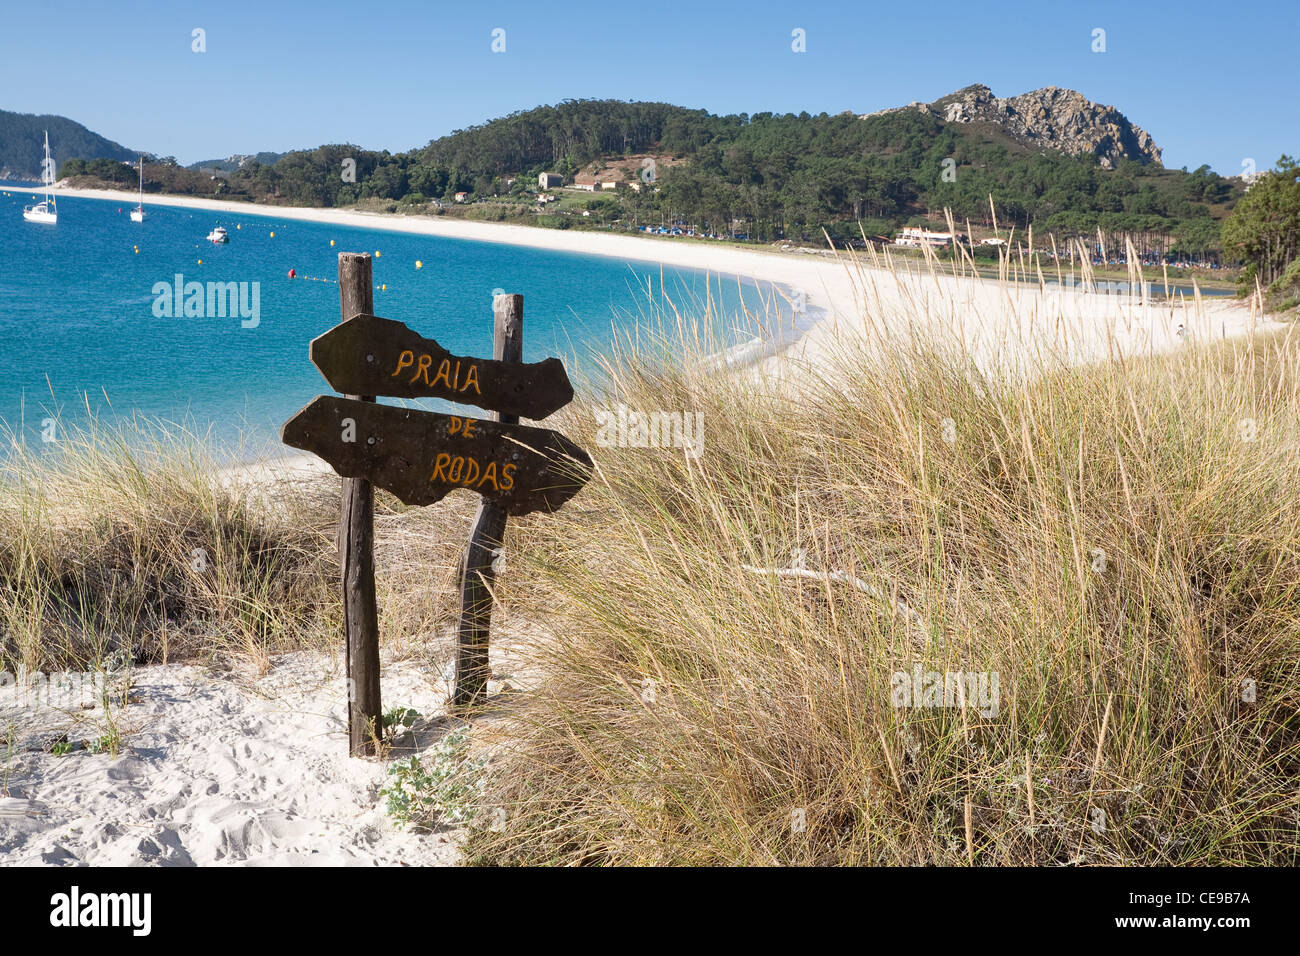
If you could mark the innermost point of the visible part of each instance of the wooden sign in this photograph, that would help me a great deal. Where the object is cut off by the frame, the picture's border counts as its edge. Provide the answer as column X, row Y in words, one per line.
column 421, row 456
column 367, row 355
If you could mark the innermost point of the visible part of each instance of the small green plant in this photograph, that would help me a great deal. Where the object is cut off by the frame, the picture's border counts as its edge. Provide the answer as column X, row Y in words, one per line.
column 61, row 748
column 116, row 669
column 110, row 743
column 398, row 720
column 448, row 789
column 8, row 747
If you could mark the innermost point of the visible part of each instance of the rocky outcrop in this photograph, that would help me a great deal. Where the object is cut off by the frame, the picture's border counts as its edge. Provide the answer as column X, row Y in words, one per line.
column 1051, row 118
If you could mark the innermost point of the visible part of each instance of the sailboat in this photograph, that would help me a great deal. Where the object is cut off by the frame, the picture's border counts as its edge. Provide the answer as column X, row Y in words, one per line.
column 45, row 211
column 137, row 214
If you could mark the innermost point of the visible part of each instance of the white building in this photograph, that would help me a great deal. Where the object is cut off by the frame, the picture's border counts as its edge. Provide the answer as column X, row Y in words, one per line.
column 915, row 236
column 549, row 180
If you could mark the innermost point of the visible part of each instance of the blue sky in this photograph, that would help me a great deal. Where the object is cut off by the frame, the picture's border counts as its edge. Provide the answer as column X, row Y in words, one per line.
column 1212, row 82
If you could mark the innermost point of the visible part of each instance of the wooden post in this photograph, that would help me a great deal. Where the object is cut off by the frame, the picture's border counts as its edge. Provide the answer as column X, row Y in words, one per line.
column 356, row 540
column 477, row 574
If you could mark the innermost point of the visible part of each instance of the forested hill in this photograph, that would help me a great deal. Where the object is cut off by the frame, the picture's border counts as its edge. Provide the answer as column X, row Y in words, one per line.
column 563, row 138
column 22, row 144
column 790, row 175
column 1050, row 158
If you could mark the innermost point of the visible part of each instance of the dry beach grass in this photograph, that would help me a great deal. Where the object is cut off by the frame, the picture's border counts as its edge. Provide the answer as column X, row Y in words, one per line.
column 1118, row 542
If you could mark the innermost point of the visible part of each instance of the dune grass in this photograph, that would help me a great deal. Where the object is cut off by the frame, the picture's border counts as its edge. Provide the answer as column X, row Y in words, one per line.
column 133, row 540
column 140, row 540
column 1119, row 544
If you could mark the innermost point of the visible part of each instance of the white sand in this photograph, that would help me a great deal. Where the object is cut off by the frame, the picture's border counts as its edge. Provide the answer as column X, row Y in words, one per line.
column 220, row 769
column 1010, row 326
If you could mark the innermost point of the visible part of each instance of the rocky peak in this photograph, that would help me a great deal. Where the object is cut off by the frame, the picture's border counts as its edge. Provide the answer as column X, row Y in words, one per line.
column 1050, row 118
column 1054, row 118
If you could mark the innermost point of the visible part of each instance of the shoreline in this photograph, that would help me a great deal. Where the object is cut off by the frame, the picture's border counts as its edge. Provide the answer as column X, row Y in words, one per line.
column 820, row 280
column 815, row 277
column 847, row 299
column 678, row 251
column 802, row 272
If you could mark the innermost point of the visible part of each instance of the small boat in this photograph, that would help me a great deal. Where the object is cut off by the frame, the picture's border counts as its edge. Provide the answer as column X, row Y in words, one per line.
column 218, row 235
column 137, row 214
column 42, row 212
column 46, row 211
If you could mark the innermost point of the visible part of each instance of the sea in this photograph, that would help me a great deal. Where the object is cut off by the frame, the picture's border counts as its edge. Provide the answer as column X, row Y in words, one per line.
column 86, row 339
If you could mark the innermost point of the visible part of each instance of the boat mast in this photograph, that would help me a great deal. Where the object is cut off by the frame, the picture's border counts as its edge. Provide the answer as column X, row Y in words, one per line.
column 47, row 172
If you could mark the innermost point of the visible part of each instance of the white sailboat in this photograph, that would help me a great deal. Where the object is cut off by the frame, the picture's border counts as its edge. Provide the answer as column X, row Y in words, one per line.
column 137, row 214
column 46, row 211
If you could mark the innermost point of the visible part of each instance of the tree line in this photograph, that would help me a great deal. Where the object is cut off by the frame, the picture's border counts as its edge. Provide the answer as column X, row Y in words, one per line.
column 1264, row 231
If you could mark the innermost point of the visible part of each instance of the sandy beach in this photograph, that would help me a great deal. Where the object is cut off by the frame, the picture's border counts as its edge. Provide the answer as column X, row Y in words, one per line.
column 845, row 299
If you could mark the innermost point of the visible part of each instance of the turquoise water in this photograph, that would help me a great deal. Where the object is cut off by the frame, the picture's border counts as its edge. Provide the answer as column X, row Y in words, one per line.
column 78, row 328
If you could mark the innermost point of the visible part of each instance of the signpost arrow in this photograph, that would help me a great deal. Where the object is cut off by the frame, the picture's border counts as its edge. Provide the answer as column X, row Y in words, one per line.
column 421, row 456
column 368, row 355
